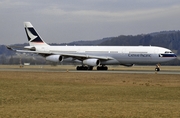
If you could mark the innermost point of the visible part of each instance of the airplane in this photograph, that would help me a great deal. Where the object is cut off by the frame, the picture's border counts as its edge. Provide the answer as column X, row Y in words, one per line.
column 95, row 56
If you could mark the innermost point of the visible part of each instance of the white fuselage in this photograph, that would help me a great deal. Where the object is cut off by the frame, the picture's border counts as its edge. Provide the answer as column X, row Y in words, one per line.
column 120, row 54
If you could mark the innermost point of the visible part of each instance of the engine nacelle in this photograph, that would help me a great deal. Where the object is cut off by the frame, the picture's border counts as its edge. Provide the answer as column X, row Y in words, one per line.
column 54, row 58
column 91, row 62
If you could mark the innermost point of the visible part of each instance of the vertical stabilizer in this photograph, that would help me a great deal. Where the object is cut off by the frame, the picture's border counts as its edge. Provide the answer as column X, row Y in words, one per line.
column 32, row 35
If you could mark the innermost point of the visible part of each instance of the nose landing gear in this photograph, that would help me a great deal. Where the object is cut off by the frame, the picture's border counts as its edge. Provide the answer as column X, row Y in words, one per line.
column 157, row 67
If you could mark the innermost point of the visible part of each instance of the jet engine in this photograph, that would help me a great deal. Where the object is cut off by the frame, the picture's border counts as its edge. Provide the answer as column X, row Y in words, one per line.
column 54, row 58
column 91, row 62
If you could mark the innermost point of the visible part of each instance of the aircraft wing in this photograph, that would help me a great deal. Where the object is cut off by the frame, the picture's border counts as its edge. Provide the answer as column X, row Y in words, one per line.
column 85, row 56
column 74, row 55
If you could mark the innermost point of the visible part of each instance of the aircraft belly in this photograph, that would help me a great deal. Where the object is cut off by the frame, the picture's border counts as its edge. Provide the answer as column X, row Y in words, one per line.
column 109, row 62
column 124, row 58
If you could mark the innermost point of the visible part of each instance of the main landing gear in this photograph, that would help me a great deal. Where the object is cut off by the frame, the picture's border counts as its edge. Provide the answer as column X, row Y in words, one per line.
column 84, row 68
column 91, row 68
column 102, row 68
column 157, row 67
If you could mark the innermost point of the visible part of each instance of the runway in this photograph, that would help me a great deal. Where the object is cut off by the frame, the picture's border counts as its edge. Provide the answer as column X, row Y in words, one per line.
column 131, row 70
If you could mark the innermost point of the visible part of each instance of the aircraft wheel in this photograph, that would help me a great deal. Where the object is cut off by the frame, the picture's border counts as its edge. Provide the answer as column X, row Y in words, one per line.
column 84, row 68
column 157, row 69
column 98, row 68
column 105, row 68
column 90, row 67
column 81, row 68
column 102, row 68
column 78, row 68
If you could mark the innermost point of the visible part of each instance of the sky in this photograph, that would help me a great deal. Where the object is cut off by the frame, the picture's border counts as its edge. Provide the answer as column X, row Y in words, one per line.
column 64, row 21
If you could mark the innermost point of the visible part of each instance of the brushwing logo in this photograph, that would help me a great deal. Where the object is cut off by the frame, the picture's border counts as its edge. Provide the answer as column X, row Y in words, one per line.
column 33, row 35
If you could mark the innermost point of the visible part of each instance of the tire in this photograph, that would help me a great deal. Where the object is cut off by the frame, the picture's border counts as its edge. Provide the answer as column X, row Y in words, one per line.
column 157, row 69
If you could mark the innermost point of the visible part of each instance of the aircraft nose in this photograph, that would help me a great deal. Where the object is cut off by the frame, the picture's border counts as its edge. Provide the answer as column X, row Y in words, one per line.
column 172, row 56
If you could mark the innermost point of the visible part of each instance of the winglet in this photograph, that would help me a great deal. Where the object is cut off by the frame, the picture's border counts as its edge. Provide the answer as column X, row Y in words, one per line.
column 9, row 48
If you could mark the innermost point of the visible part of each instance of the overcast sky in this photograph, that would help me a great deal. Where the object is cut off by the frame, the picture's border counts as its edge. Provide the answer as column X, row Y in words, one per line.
column 63, row 21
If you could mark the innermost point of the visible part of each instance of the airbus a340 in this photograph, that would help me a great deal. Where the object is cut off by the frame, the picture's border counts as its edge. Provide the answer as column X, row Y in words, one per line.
column 95, row 56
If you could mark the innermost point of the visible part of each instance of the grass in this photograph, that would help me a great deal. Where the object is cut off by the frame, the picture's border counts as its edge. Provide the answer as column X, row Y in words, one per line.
column 79, row 95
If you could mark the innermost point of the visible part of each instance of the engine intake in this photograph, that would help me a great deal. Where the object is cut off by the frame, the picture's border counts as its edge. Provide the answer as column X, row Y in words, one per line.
column 54, row 58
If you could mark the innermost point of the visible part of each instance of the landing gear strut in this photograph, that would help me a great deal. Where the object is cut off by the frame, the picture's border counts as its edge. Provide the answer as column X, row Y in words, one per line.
column 157, row 67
